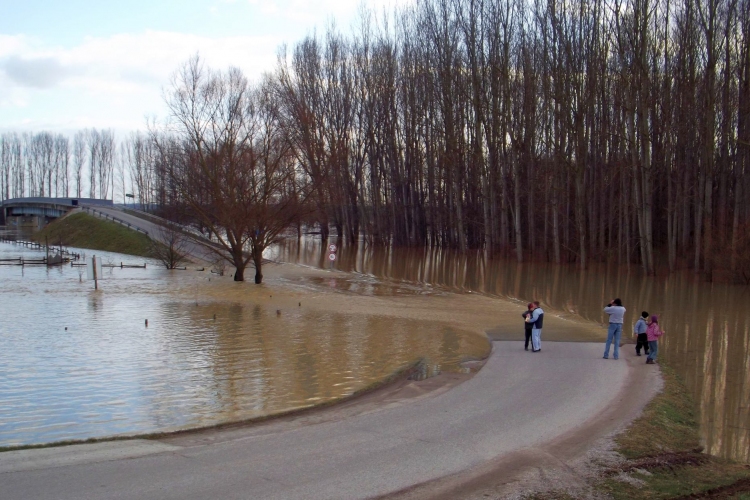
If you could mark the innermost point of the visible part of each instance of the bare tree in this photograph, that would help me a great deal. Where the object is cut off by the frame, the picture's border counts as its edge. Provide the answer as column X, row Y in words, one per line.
column 230, row 161
column 139, row 156
column 121, row 170
column 62, row 162
column 105, row 162
column 170, row 246
column 93, row 140
column 79, row 160
column 6, row 141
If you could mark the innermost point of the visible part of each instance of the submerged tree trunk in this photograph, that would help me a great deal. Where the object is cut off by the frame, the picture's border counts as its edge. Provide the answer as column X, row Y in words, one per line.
column 258, row 263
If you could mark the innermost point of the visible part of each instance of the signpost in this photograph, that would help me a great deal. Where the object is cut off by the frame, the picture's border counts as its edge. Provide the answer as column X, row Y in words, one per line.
column 94, row 270
column 332, row 253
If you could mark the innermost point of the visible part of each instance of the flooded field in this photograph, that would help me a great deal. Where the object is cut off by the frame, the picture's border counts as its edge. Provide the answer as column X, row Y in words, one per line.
column 76, row 363
column 708, row 325
column 217, row 351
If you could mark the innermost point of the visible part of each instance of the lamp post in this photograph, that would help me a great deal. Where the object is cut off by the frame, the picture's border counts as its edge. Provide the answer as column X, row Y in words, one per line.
column 130, row 195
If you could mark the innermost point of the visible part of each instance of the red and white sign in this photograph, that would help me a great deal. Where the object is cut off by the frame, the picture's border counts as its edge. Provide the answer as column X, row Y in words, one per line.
column 331, row 257
column 332, row 248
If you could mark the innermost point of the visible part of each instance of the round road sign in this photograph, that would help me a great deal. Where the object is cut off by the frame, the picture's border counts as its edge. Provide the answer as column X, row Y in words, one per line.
column 332, row 257
column 332, row 248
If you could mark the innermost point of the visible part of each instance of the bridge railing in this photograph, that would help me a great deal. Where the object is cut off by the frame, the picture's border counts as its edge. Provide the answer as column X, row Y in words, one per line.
column 159, row 221
column 67, row 202
column 107, row 216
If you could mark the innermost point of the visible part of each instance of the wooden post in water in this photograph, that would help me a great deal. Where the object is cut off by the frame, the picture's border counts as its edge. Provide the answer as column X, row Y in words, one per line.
column 96, row 282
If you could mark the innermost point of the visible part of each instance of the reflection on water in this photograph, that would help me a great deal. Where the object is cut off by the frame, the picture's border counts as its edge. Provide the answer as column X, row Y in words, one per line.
column 76, row 363
column 708, row 325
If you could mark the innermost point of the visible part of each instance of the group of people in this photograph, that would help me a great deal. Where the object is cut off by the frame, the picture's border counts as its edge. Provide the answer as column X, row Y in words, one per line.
column 533, row 321
column 646, row 329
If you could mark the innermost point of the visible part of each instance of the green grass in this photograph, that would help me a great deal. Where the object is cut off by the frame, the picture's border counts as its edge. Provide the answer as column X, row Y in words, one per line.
column 665, row 443
column 85, row 231
column 663, row 453
column 668, row 422
column 676, row 481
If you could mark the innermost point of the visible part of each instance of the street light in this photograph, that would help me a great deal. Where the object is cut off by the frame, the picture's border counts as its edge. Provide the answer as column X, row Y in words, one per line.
column 129, row 195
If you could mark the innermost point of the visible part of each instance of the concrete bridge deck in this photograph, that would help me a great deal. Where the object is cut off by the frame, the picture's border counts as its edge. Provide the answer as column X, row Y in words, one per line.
column 38, row 211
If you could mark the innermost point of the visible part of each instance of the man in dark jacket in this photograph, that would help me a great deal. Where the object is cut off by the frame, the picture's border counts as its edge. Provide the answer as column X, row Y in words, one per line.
column 527, row 326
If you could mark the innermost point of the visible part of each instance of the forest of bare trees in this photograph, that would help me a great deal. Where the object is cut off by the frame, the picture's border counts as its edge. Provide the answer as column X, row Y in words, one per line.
column 569, row 131
column 49, row 165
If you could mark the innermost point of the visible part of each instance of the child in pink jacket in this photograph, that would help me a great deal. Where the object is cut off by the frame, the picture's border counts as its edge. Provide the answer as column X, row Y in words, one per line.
column 653, row 332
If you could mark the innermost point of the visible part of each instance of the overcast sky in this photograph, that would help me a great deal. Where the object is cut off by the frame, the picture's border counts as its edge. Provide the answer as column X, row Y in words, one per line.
column 66, row 65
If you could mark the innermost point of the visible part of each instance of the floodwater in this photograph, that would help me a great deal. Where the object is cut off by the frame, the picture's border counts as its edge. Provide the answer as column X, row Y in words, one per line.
column 707, row 325
column 77, row 363
column 311, row 334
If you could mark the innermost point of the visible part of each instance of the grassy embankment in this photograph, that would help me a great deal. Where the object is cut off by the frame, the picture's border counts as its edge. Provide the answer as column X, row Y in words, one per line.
column 85, row 231
column 663, row 456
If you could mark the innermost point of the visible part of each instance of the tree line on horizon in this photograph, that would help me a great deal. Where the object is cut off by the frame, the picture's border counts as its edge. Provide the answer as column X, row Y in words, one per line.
column 568, row 131
column 51, row 165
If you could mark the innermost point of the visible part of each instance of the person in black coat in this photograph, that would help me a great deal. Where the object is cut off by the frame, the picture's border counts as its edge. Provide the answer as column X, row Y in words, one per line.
column 527, row 326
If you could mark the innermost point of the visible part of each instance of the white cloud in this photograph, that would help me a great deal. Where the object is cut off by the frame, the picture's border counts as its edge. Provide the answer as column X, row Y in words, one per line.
column 318, row 14
column 116, row 79
column 42, row 72
column 151, row 57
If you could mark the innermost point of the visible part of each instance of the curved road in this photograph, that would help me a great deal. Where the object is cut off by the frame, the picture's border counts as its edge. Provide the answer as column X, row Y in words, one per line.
column 517, row 401
column 192, row 246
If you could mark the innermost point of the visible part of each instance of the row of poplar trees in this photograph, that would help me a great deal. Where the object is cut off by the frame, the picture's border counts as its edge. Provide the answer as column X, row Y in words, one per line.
column 564, row 130
column 50, row 165
column 569, row 130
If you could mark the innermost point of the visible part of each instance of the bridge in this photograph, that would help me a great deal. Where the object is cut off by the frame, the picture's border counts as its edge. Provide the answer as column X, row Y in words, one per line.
column 35, row 212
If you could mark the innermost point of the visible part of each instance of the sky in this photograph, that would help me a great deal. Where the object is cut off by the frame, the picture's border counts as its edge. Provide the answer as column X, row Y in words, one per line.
column 73, row 64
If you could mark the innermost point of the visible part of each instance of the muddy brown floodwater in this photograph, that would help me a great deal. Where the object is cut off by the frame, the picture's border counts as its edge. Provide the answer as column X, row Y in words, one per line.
column 76, row 364
column 708, row 325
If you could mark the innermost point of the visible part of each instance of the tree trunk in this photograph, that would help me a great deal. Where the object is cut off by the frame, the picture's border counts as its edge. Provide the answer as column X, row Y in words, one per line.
column 517, row 210
column 258, row 263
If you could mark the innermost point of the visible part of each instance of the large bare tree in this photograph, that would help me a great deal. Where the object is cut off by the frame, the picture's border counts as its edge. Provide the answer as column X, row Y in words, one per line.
column 230, row 161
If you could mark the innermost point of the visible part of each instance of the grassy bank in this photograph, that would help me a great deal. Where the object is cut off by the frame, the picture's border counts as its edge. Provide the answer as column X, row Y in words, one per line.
column 85, row 231
column 663, row 456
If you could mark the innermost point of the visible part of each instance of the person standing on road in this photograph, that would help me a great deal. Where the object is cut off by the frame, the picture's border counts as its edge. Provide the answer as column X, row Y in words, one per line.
column 640, row 331
column 653, row 333
column 536, row 319
column 527, row 326
column 614, row 333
